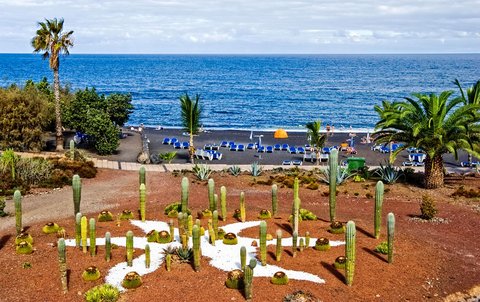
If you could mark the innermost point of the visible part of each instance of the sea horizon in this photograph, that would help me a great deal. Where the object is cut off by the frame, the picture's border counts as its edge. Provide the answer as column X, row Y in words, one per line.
column 255, row 91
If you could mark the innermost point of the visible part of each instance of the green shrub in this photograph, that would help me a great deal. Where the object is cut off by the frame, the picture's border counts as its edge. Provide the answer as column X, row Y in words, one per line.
column 428, row 207
column 382, row 248
column 102, row 293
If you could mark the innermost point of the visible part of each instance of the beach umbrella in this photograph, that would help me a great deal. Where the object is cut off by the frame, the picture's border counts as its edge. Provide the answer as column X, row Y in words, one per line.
column 280, row 133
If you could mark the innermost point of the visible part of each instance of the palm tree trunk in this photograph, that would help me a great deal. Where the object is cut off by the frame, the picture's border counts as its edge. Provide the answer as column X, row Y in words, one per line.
column 58, row 114
column 434, row 172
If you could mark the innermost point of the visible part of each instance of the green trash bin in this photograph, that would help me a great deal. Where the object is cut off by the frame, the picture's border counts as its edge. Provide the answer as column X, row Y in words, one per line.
column 355, row 163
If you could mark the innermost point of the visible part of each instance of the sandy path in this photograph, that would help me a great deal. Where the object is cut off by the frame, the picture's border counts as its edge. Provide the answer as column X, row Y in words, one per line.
column 98, row 194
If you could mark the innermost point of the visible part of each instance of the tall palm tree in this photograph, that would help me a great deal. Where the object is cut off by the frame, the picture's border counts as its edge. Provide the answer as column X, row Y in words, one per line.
column 435, row 124
column 52, row 41
column 315, row 138
column 191, row 112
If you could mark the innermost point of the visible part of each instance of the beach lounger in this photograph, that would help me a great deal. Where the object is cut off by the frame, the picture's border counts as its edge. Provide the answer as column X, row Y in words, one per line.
column 269, row 149
column 301, row 150
column 185, row 145
column 251, row 146
column 287, row 162
column 297, row 162
column 261, row 149
column 292, row 150
column 285, row 147
column 177, row 145
column 173, row 140
column 233, row 147
column 277, row 147
column 224, row 144
column 241, row 148
column 166, row 141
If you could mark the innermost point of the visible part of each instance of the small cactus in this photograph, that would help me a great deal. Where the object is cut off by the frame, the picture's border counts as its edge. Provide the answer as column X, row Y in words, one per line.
column 62, row 261
column 378, row 208
column 142, row 202
column 108, row 247
column 129, row 246
column 17, row 197
column 78, row 230
column 196, row 247
column 350, row 252
column 211, row 195
column 223, row 202
column 390, row 235
column 142, row 175
column 274, row 199
column 184, row 197
column 84, row 228
column 242, row 207
column 93, row 234
column 147, row 255
column 77, row 193
column 243, row 257
column 263, row 242
column 278, row 249
column 333, row 167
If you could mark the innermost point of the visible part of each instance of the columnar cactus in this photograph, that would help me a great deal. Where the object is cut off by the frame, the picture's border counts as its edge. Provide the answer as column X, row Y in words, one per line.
column 62, row 261
column 278, row 249
column 108, row 246
column 307, row 239
column 215, row 222
column 223, row 202
column 294, row 243
column 248, row 278
column 93, row 237
column 243, row 257
column 129, row 246
column 17, row 197
column 142, row 202
column 142, row 175
column 333, row 166
column 196, row 247
column 78, row 230
column 211, row 195
column 242, row 207
column 378, row 208
column 77, row 193
column 390, row 235
column 147, row 255
column 184, row 201
column 350, row 235
column 295, row 214
column 263, row 242
column 84, row 228
column 274, row 199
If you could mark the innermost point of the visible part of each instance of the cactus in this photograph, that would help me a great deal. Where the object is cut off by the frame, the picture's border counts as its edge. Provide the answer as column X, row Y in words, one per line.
column 248, row 278
column 184, row 200
column 390, row 235
column 196, row 247
column 278, row 249
column 243, row 257
column 84, row 228
column 333, row 168
column 172, row 229
column 350, row 252
column 215, row 222
column 62, row 261
column 211, row 195
column 93, row 237
column 17, row 197
column 307, row 239
column 243, row 214
column 211, row 232
column 142, row 175
column 147, row 255
column 294, row 244
column 168, row 262
column 129, row 246
column 223, row 202
column 108, row 247
column 263, row 242
column 78, row 230
column 77, row 193
column 142, row 202
column 274, row 199
column 378, row 208
column 295, row 214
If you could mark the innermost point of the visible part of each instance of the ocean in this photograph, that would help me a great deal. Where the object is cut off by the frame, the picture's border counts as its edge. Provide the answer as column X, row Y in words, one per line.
column 254, row 91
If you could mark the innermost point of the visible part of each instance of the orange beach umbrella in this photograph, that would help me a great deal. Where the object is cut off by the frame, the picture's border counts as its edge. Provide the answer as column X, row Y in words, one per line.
column 280, row 133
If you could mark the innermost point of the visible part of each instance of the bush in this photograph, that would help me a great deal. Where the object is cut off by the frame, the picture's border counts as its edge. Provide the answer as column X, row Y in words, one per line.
column 428, row 207
column 102, row 293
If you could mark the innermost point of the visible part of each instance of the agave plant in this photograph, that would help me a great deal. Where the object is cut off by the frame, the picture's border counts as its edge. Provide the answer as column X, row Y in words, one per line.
column 256, row 169
column 388, row 173
column 235, row 170
column 202, row 172
column 342, row 175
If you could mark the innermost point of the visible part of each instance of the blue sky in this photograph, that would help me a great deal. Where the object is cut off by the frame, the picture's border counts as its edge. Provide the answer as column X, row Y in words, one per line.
column 246, row 26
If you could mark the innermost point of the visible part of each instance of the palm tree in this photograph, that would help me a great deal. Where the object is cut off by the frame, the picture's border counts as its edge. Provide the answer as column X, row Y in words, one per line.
column 52, row 41
column 435, row 124
column 315, row 138
column 191, row 112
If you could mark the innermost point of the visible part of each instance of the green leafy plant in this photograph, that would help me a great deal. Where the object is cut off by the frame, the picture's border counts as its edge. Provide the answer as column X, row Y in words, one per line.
column 202, row 171
column 256, row 169
column 102, row 293
column 382, row 248
column 388, row 173
column 235, row 170
column 428, row 207
column 168, row 156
